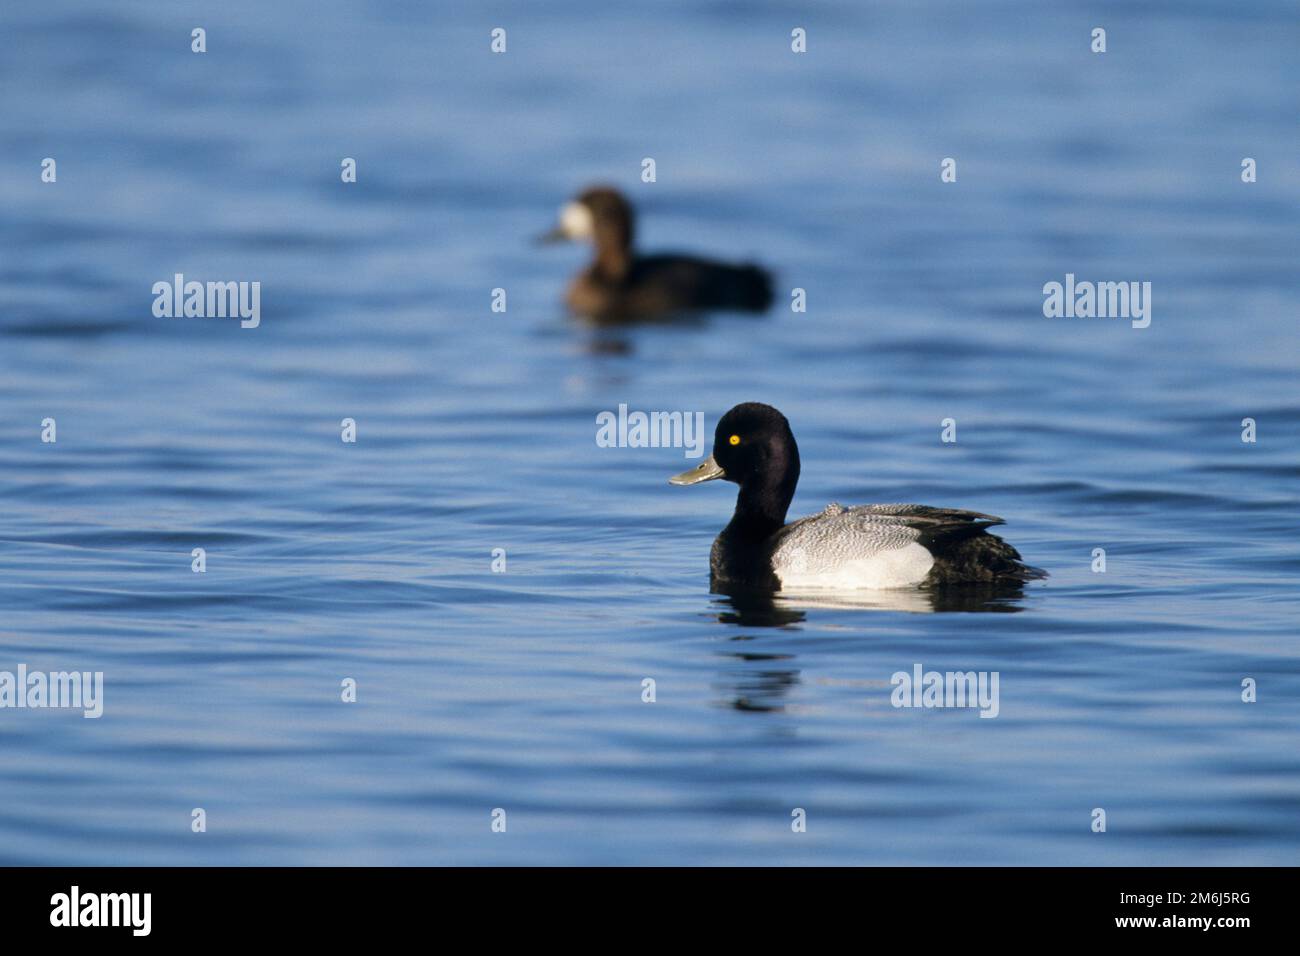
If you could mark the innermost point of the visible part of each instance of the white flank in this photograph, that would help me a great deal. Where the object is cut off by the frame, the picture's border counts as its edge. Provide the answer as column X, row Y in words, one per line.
column 903, row 567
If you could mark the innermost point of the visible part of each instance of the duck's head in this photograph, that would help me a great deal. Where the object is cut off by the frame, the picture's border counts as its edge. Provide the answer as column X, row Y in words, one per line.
column 600, row 215
column 754, row 447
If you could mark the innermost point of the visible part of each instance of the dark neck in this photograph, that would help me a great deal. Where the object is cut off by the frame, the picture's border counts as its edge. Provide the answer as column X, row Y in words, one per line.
column 613, row 249
column 762, row 504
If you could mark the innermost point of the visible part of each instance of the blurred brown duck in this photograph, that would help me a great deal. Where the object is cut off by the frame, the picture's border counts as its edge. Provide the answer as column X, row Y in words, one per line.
column 620, row 284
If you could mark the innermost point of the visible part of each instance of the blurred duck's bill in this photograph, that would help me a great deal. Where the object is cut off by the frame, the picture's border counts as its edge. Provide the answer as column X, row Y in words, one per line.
column 576, row 223
column 706, row 470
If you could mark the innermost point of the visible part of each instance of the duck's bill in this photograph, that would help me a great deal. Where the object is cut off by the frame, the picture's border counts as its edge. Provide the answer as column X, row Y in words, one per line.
column 707, row 470
column 555, row 235
column 576, row 222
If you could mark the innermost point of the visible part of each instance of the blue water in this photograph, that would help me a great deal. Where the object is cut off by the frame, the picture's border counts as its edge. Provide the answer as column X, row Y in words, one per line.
column 476, row 431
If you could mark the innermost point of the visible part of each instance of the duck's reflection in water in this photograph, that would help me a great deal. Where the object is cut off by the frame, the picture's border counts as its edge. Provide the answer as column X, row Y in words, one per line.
column 757, row 608
column 761, row 684
column 764, row 680
column 602, row 338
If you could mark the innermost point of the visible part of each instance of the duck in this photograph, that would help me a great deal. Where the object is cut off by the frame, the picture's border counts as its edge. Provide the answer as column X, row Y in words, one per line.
column 621, row 284
column 876, row 547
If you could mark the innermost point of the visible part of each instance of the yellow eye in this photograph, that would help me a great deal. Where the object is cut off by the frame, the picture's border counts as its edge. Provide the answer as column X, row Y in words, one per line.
column 734, row 440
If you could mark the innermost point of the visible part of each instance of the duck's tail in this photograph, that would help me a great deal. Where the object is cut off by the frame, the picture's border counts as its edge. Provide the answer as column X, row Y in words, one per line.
column 979, row 558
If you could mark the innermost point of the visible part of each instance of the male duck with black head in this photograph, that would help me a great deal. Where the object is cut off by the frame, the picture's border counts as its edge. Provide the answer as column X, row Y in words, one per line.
column 862, row 547
column 621, row 285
